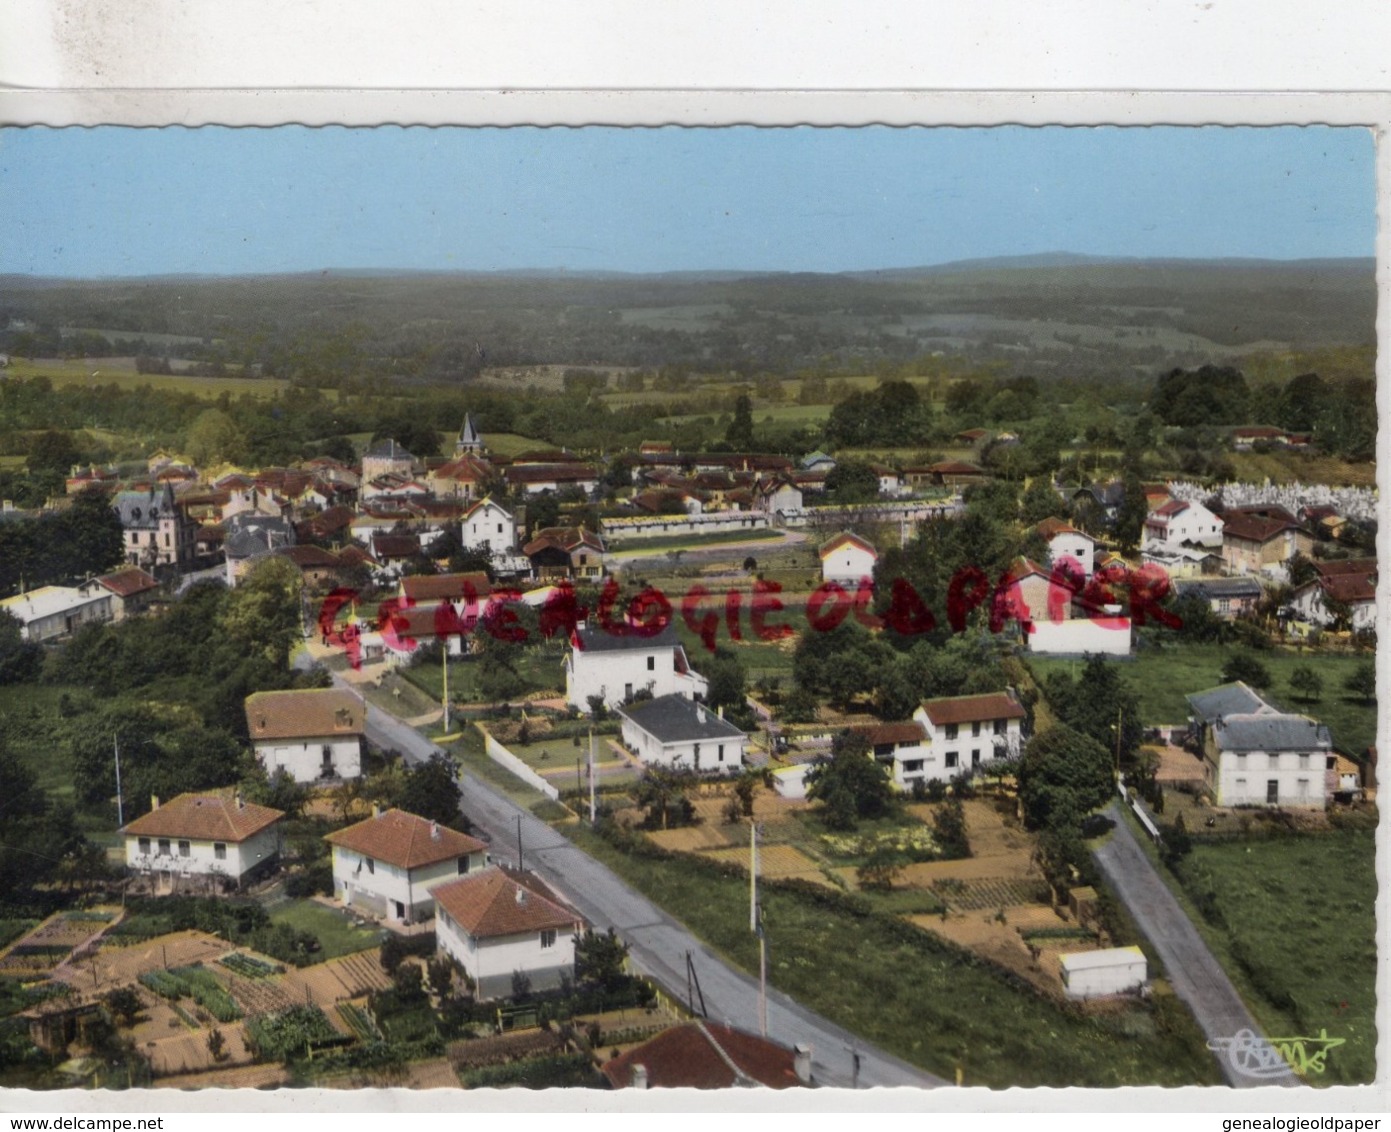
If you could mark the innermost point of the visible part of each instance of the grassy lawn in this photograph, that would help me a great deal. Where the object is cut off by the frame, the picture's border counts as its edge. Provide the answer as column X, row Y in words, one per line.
column 468, row 750
column 513, row 443
column 921, row 999
column 1163, row 676
column 1298, row 922
column 542, row 668
column 338, row 934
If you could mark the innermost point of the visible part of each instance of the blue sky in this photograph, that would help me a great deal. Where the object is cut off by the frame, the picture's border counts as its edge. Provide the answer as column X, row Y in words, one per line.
column 116, row 201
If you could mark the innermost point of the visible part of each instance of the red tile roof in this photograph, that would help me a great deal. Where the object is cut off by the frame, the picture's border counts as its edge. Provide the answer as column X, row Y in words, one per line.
column 396, row 546
column 405, row 840
column 1336, row 566
column 128, row 582
column 310, row 557
column 502, row 902
column 308, row 713
column 1173, row 507
column 1255, row 528
column 909, row 732
column 446, row 587
column 954, row 468
column 706, row 1055
column 1052, row 527
column 213, row 816
column 969, row 709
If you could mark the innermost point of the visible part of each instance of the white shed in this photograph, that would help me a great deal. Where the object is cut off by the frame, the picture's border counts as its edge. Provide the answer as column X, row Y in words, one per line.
column 1115, row 970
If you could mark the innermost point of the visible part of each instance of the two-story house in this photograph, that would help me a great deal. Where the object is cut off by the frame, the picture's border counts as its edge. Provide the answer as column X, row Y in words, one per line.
column 488, row 526
column 1256, row 755
column 1180, row 521
column 386, row 458
column 615, row 666
column 962, row 733
column 1261, row 540
column 391, row 864
column 503, row 921
column 212, row 839
column 674, row 731
column 565, row 552
column 1342, row 596
column 1068, row 545
column 313, row 734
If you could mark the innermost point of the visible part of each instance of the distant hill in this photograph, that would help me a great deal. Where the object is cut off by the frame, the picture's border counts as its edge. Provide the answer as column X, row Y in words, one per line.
column 1055, row 313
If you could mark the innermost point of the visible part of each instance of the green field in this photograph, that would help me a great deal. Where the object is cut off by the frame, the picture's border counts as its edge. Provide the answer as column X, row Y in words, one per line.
column 899, row 987
column 513, row 443
column 336, row 932
column 1296, row 930
column 1162, row 676
column 121, row 372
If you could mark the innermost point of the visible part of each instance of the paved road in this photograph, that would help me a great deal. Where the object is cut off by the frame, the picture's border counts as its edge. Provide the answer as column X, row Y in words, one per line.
column 1195, row 975
column 657, row 943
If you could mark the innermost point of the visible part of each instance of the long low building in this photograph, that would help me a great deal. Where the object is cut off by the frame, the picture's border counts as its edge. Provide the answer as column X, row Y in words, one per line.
column 672, row 731
column 52, row 612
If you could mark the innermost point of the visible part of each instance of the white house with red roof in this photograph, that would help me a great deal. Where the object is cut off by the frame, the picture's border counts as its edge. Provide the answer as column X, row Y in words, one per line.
column 391, row 864
column 202, row 838
column 1349, row 584
column 962, row 733
column 503, row 921
column 1066, row 544
column 312, row 734
column 847, row 558
column 131, row 590
column 1182, row 521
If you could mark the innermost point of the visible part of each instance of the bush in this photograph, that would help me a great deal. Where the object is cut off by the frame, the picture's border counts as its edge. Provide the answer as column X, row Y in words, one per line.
column 315, row 880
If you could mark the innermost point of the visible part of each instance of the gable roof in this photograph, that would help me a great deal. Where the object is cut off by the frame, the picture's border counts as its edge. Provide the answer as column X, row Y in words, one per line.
column 212, row 816
column 1275, row 731
column 1173, row 507
column 969, row 709
column 706, row 1055
column 1228, row 699
column 502, row 902
column 910, row 731
column 395, row 546
column 128, row 582
column 675, row 719
column 446, row 587
column 595, row 638
column 1052, row 527
column 305, row 714
column 847, row 538
column 1252, row 527
column 405, row 840
column 567, row 539
column 310, row 557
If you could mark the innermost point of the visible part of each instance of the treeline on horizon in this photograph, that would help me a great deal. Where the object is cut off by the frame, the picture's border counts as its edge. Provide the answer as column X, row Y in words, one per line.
column 337, row 329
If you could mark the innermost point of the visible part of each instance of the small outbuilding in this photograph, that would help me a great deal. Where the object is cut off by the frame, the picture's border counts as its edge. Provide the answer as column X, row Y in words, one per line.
column 1114, row 970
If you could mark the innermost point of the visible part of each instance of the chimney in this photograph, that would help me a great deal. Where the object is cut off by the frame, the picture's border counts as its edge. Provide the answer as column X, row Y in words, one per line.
column 720, row 711
column 639, row 1077
column 154, row 801
column 801, row 1062
column 434, row 831
column 521, row 896
column 376, row 809
column 241, row 802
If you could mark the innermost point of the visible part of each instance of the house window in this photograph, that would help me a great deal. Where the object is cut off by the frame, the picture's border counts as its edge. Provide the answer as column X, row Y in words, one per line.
column 695, row 750
column 912, row 765
column 184, row 849
column 1001, row 726
column 499, row 528
column 219, row 850
column 547, row 938
column 145, row 846
column 975, row 757
column 164, row 847
column 1303, row 762
column 951, row 759
column 651, row 664
column 463, row 865
column 371, row 864
column 1301, row 789
column 584, row 560
column 1272, row 791
column 975, row 729
column 720, row 752
column 950, row 732
column 1241, row 762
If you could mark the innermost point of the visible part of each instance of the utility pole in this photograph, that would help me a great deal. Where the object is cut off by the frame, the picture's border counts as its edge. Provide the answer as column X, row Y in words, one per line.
column 444, row 660
column 592, row 807
column 520, row 867
column 756, row 926
column 1119, row 713
column 120, row 805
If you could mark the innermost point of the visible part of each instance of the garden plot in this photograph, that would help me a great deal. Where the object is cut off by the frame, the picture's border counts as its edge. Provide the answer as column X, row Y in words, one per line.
column 50, row 944
column 117, row 966
column 777, row 862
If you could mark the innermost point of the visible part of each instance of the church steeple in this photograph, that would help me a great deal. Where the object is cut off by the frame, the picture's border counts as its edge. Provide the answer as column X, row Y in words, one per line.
column 470, row 442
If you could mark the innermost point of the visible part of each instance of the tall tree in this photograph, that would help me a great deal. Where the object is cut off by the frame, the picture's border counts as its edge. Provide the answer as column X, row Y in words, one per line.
column 849, row 783
column 263, row 613
column 1063, row 776
column 740, row 433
